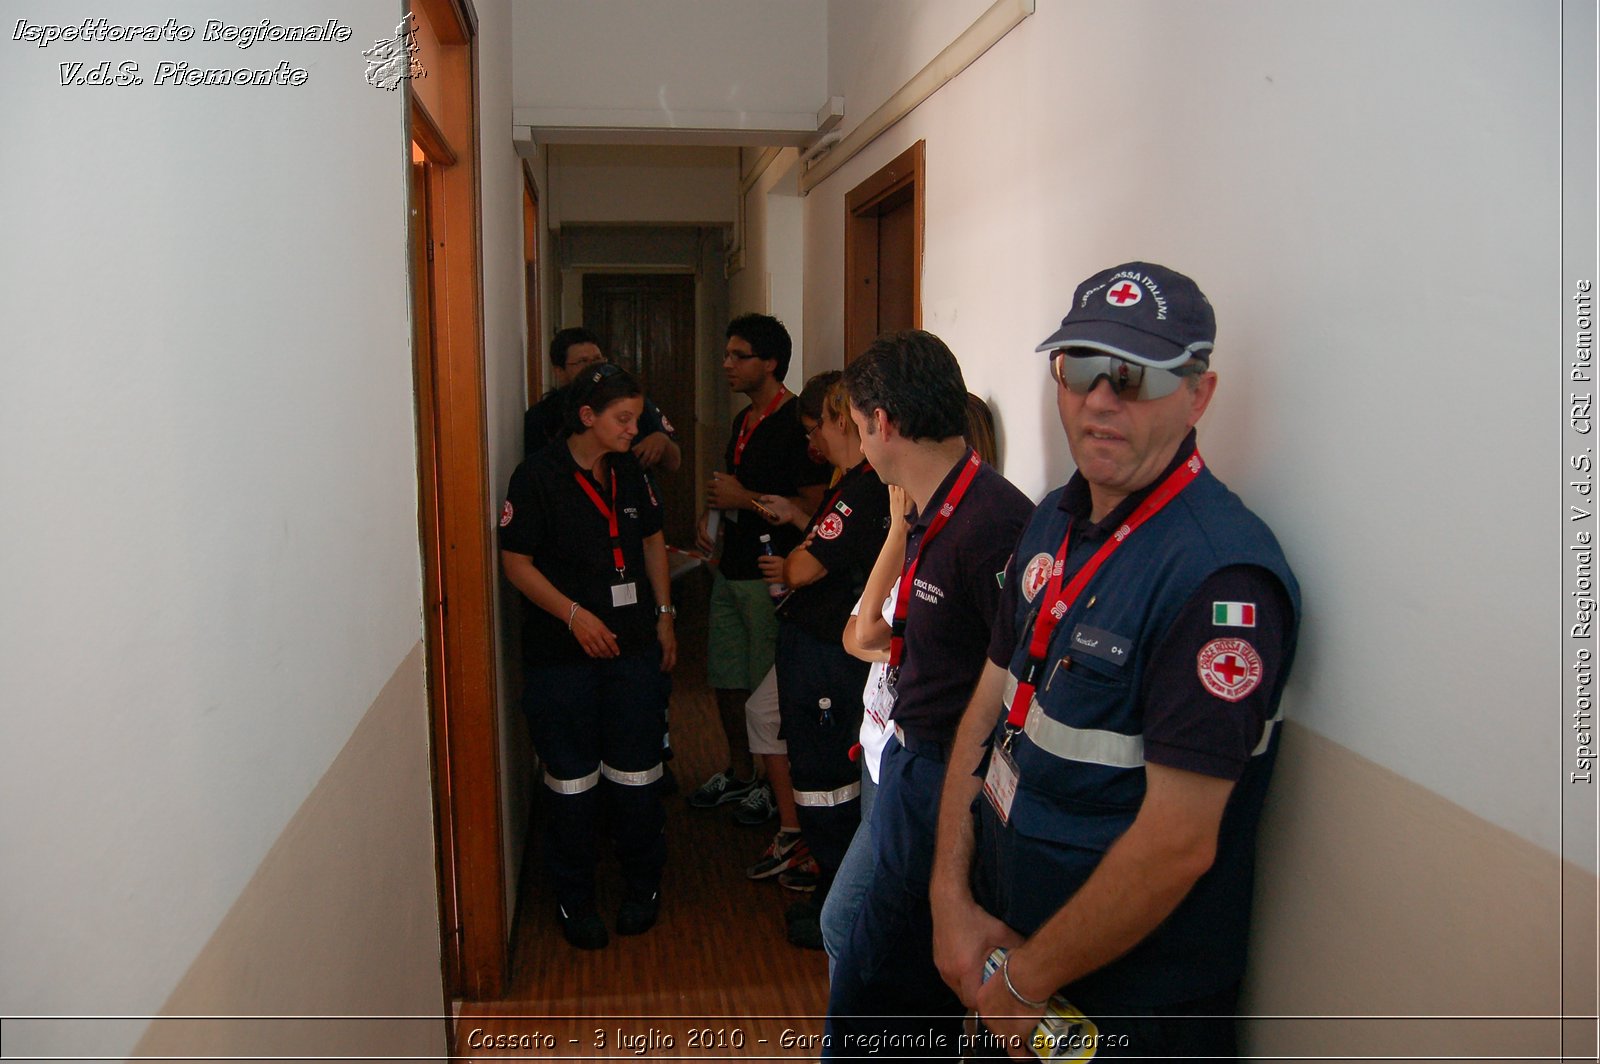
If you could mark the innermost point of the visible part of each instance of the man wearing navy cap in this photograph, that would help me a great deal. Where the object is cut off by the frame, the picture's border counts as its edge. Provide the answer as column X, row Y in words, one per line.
column 1121, row 737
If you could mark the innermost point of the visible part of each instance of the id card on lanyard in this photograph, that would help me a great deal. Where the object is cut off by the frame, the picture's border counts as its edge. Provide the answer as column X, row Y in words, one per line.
column 902, row 599
column 624, row 592
column 1000, row 782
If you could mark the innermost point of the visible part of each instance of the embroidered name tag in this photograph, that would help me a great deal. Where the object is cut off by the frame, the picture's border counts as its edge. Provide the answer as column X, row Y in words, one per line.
column 1099, row 643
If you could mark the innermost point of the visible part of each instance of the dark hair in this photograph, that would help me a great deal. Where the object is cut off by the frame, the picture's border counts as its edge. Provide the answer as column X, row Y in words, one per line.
column 566, row 338
column 598, row 388
column 767, row 337
column 980, row 429
column 812, row 402
column 912, row 377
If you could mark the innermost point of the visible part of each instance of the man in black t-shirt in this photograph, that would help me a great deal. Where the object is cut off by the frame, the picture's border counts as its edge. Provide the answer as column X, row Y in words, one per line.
column 909, row 401
column 767, row 455
column 572, row 351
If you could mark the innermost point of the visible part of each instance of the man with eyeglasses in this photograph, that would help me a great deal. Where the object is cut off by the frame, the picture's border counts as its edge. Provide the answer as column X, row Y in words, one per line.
column 1100, row 814
column 767, row 455
column 572, row 351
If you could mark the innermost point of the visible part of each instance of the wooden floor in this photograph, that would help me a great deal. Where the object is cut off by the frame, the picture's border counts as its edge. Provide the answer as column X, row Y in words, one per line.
column 715, row 978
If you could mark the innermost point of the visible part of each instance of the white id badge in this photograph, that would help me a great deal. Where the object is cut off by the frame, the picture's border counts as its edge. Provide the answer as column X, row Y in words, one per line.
column 624, row 594
column 1000, row 782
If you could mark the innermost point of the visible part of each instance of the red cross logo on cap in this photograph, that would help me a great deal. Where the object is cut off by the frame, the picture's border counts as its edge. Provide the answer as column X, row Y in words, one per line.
column 1125, row 294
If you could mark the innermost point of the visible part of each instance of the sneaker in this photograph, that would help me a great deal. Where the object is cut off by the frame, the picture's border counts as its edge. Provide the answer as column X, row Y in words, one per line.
column 583, row 928
column 757, row 807
column 718, row 789
column 787, row 849
column 802, row 877
column 638, row 916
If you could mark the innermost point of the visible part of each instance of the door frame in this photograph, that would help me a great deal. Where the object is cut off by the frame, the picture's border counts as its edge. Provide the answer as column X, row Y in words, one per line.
column 463, row 701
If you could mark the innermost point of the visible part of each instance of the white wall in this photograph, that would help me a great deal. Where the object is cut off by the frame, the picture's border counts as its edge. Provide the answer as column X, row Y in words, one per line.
column 625, row 62
column 874, row 46
column 505, row 390
column 207, row 456
column 642, row 185
column 1366, row 191
column 772, row 277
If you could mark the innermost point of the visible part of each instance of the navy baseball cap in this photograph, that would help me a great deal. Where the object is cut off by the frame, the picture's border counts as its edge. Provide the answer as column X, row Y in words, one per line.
column 1141, row 312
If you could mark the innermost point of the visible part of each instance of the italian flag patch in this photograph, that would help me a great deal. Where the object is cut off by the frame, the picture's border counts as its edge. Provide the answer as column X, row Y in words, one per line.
column 1234, row 614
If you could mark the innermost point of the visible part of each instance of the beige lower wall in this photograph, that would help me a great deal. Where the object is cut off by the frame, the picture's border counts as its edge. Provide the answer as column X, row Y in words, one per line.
column 341, row 919
column 1377, row 898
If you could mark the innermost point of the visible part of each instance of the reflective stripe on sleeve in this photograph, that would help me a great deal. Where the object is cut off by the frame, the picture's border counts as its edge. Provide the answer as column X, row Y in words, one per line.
column 1266, row 733
column 1094, row 746
column 577, row 786
column 828, row 799
column 632, row 779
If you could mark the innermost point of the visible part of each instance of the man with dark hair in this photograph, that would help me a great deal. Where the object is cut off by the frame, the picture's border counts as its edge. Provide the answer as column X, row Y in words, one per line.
column 909, row 400
column 767, row 455
column 572, row 351
column 1124, row 725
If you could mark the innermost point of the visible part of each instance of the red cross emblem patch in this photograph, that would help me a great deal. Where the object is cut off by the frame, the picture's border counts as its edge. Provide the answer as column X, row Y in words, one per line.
column 830, row 526
column 1229, row 668
column 1125, row 294
column 505, row 514
column 1036, row 575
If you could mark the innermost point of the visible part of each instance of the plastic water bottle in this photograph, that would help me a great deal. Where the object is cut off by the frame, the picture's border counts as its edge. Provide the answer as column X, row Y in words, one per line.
column 780, row 589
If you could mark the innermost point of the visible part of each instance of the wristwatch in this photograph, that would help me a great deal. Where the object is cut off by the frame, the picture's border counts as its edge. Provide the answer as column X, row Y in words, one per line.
column 666, row 611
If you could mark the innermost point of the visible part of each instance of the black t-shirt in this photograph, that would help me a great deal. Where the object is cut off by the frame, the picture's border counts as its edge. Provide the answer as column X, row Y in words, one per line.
column 953, row 600
column 776, row 461
column 545, row 422
column 549, row 517
column 847, row 531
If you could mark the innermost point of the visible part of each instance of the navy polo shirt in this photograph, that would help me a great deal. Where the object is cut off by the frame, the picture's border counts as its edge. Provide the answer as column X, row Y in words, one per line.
column 954, row 599
column 1184, row 725
column 776, row 461
column 545, row 421
column 847, row 532
column 550, row 518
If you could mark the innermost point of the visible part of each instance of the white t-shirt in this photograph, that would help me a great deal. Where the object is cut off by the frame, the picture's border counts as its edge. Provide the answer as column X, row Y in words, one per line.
column 877, row 698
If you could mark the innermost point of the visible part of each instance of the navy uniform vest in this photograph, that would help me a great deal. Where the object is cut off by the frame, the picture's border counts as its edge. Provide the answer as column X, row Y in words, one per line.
column 1080, row 755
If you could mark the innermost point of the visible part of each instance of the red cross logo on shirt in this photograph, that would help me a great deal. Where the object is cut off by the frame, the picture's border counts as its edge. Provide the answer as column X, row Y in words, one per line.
column 1229, row 668
column 1125, row 294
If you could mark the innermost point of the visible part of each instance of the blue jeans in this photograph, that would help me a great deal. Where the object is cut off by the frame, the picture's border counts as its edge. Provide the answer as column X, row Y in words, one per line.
column 854, row 877
column 887, row 997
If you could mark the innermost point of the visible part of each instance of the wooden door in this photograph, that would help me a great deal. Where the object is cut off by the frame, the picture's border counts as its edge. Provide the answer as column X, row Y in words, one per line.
column 883, row 252
column 645, row 322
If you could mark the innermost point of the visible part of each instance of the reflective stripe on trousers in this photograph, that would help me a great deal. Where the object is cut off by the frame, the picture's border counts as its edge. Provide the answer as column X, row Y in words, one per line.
column 815, row 799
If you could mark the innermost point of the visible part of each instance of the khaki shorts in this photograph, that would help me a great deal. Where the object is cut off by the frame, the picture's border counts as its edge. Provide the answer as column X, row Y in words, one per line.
column 761, row 718
column 743, row 636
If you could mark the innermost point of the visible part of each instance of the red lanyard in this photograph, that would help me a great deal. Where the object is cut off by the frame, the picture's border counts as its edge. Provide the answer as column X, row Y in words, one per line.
column 609, row 513
column 749, row 427
column 902, row 598
column 1057, row 602
column 822, row 511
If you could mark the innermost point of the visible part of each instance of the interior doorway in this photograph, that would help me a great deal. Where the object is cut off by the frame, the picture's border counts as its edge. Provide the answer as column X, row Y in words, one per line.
column 458, row 560
column 883, row 252
column 646, row 324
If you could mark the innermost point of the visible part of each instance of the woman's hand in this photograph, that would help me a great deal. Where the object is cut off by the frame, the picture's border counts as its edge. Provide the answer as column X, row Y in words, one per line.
column 593, row 636
column 782, row 510
column 899, row 509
